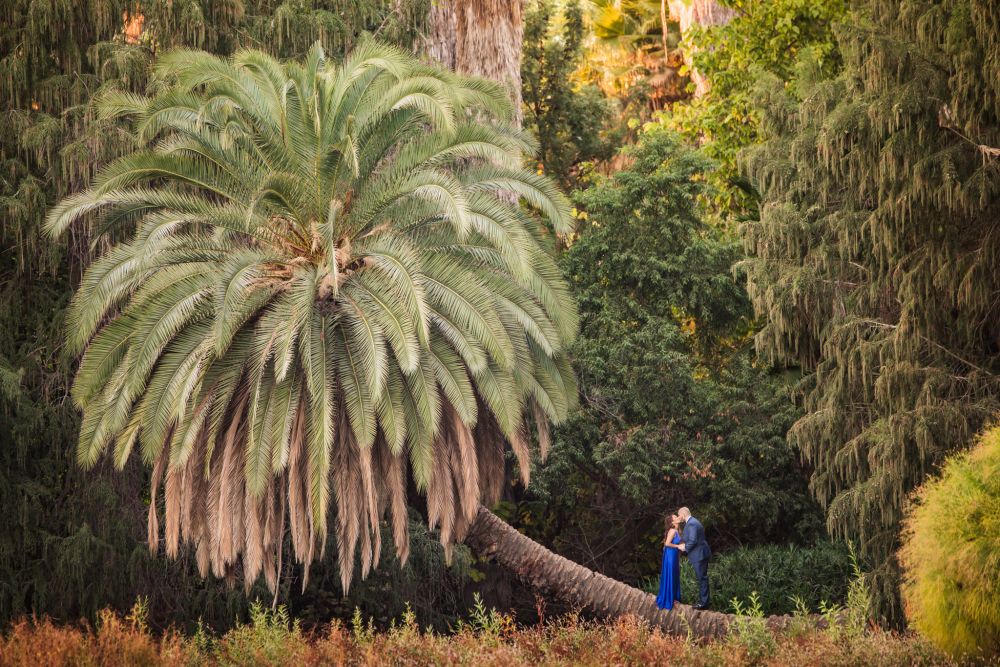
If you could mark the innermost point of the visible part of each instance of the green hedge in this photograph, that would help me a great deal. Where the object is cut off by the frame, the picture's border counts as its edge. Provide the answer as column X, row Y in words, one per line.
column 779, row 574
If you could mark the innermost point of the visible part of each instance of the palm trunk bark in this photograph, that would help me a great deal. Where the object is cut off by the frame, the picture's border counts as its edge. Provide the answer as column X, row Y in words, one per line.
column 549, row 573
column 481, row 38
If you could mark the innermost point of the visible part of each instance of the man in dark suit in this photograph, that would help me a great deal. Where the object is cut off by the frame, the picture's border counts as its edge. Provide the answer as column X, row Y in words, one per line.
column 693, row 543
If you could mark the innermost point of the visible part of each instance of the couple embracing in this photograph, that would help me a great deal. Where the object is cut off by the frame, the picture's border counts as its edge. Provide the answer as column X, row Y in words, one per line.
column 683, row 533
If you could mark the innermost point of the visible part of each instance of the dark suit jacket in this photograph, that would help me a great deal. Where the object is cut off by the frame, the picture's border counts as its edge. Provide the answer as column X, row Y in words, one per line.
column 693, row 537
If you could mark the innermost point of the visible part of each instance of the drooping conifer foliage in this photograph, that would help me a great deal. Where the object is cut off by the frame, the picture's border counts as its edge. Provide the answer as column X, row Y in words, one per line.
column 322, row 276
column 876, row 258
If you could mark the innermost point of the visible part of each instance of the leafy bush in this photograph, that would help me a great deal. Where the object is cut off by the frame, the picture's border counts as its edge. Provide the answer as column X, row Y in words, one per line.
column 951, row 553
column 750, row 629
column 780, row 576
column 571, row 121
column 270, row 638
column 765, row 36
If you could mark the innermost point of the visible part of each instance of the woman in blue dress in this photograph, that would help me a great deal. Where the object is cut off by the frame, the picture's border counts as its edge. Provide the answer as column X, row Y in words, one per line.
column 670, row 571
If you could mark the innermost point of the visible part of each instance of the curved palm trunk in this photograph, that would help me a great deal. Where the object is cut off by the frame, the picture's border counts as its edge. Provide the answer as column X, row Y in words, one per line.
column 579, row 586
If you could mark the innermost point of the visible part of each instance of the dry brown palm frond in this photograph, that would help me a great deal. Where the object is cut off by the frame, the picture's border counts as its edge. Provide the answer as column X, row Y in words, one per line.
column 237, row 492
column 227, row 486
column 394, row 477
column 172, row 508
column 542, row 428
column 390, row 484
column 203, row 557
column 225, row 507
column 521, row 446
column 270, row 521
column 465, row 465
column 441, row 490
column 152, row 520
column 212, row 511
column 350, row 497
column 187, row 509
column 193, row 512
column 372, row 544
column 296, row 480
column 282, row 508
column 491, row 459
column 253, row 531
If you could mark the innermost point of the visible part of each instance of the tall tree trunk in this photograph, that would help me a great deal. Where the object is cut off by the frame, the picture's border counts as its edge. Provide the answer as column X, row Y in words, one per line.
column 479, row 37
column 489, row 536
column 439, row 43
column 702, row 13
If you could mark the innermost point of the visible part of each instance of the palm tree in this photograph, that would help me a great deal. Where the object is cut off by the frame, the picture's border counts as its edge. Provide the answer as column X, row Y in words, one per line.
column 316, row 285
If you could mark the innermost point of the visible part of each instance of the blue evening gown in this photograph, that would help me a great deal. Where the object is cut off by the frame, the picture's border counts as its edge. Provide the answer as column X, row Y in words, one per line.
column 670, row 577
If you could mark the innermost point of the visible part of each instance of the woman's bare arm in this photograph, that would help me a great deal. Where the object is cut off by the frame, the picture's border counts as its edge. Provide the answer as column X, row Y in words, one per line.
column 668, row 542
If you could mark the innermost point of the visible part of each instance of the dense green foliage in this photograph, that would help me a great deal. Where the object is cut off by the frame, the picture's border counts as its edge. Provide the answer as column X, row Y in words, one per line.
column 765, row 37
column 570, row 120
column 673, row 409
column 951, row 553
column 876, row 260
column 783, row 577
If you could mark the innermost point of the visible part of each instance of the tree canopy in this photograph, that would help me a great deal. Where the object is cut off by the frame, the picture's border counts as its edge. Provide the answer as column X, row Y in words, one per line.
column 673, row 410
column 875, row 260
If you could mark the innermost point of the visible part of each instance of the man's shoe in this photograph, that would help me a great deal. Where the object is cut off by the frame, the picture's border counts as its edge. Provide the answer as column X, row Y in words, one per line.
column 699, row 607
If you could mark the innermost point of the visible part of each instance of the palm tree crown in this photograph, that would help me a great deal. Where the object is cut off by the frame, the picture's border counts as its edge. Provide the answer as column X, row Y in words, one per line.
column 323, row 285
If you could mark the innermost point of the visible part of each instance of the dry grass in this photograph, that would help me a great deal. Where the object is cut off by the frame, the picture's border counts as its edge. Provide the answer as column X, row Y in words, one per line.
column 488, row 639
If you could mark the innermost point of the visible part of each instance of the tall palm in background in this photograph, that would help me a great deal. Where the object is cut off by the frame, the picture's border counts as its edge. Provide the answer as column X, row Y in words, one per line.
column 320, row 287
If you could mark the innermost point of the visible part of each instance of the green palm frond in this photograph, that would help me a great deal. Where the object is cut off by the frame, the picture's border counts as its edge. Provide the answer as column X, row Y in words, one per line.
column 323, row 278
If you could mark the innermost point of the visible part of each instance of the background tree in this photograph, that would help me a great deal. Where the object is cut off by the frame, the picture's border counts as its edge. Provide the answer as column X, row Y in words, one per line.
column 661, row 311
column 875, row 260
column 698, row 15
column 481, row 38
column 572, row 121
column 632, row 54
column 761, row 37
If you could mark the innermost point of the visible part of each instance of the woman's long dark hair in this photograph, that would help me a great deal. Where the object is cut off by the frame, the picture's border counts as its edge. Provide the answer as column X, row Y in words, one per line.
column 668, row 523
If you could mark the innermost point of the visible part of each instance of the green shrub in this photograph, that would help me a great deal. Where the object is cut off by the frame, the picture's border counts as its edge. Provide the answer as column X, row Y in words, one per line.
column 779, row 575
column 849, row 621
column 951, row 553
column 749, row 629
column 271, row 638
